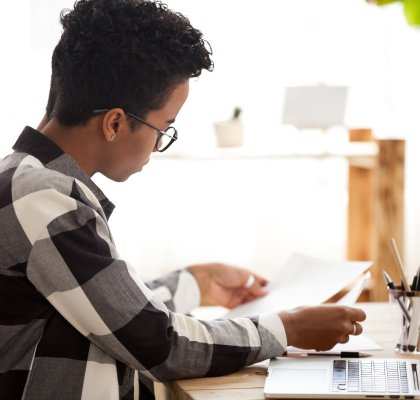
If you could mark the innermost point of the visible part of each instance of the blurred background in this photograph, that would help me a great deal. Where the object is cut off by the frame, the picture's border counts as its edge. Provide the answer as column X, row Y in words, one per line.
column 249, row 212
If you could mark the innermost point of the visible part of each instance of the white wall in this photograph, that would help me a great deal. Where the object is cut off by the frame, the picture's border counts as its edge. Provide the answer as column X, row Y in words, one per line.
column 251, row 213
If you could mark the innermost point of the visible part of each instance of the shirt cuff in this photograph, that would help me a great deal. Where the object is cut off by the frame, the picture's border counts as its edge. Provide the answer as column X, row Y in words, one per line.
column 187, row 295
column 273, row 323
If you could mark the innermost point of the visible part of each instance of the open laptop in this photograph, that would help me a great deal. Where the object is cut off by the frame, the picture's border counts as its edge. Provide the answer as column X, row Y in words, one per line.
column 347, row 378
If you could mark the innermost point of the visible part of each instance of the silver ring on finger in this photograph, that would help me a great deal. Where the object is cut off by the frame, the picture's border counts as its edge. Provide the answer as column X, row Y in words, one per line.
column 250, row 281
column 354, row 330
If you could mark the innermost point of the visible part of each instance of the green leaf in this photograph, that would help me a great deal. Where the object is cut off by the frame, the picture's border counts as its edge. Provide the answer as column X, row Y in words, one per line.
column 237, row 112
column 412, row 11
column 384, row 2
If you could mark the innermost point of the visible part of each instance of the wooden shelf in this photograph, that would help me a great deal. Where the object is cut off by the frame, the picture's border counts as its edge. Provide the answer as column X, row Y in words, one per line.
column 353, row 150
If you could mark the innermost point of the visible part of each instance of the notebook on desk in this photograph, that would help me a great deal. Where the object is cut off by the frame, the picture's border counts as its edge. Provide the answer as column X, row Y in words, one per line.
column 346, row 378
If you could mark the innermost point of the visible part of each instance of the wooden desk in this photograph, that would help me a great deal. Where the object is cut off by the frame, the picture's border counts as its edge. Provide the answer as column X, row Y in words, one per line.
column 249, row 383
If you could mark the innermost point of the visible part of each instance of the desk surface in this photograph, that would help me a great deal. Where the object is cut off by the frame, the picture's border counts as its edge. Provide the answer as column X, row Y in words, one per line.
column 249, row 383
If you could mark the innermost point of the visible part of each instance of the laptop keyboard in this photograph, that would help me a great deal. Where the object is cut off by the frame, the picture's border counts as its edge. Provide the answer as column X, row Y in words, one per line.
column 373, row 376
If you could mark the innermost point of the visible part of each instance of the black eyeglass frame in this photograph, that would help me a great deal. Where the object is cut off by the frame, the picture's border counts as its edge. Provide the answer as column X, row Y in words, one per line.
column 161, row 133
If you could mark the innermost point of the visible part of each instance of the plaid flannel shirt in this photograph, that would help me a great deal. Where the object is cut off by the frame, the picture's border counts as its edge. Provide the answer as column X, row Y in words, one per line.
column 76, row 322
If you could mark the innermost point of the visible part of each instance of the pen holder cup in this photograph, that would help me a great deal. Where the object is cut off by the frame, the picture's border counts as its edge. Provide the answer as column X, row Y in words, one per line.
column 405, row 313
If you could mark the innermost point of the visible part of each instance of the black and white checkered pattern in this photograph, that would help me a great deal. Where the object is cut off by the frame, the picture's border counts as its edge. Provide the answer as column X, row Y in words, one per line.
column 76, row 322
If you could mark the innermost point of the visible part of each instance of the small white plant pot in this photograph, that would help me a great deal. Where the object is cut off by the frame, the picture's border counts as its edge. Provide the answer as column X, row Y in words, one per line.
column 229, row 133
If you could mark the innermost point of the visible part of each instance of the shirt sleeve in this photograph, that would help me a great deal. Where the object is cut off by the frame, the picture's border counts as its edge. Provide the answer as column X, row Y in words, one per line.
column 75, row 265
column 179, row 291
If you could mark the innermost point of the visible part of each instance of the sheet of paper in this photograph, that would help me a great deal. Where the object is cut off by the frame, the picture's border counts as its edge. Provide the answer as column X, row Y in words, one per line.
column 351, row 297
column 356, row 343
column 303, row 281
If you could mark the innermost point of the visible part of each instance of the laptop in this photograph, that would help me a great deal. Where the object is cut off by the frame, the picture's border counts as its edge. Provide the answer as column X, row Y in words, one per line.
column 350, row 378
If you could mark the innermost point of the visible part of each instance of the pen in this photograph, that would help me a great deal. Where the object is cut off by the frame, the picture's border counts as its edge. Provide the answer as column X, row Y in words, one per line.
column 414, row 284
column 405, row 328
column 413, row 336
column 414, row 326
column 416, row 287
column 400, row 266
column 391, row 285
column 342, row 354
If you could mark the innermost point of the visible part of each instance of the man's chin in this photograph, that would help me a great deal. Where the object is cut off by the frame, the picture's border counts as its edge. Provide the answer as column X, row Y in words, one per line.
column 124, row 177
column 143, row 165
column 120, row 178
column 135, row 172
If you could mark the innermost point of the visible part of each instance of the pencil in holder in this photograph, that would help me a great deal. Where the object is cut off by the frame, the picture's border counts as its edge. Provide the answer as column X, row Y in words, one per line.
column 405, row 313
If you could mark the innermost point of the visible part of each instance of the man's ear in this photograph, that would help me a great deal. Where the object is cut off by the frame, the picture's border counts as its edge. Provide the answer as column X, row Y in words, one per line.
column 113, row 124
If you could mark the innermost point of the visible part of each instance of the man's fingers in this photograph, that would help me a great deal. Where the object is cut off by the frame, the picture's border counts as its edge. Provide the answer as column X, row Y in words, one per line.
column 237, row 298
column 356, row 314
column 256, row 290
column 245, row 274
column 349, row 329
column 249, row 298
column 359, row 329
column 344, row 339
column 260, row 280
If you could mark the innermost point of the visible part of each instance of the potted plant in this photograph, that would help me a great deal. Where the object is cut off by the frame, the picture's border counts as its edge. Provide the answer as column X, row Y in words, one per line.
column 411, row 9
column 230, row 133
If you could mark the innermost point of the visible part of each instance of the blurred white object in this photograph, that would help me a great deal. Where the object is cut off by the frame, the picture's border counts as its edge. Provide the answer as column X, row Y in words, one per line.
column 229, row 133
column 314, row 106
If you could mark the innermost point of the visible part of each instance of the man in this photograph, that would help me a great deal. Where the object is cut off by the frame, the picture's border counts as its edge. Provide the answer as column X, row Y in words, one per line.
column 76, row 322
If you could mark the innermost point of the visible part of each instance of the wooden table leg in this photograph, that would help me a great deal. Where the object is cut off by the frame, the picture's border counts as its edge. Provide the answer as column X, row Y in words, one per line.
column 360, row 208
column 389, row 212
column 376, row 211
column 361, row 220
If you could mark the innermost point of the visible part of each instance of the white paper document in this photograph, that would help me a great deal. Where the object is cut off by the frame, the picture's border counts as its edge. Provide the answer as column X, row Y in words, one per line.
column 350, row 298
column 303, row 281
column 356, row 343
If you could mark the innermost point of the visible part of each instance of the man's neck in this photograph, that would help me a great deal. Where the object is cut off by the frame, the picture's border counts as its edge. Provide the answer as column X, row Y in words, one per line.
column 76, row 141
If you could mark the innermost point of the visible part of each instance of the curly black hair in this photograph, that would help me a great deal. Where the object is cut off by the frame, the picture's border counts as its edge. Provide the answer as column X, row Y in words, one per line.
column 121, row 53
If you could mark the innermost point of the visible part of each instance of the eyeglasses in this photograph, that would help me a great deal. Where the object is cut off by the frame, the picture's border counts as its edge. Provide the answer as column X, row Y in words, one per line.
column 165, row 138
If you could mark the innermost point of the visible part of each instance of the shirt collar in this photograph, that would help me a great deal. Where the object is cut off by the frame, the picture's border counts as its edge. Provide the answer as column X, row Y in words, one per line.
column 36, row 144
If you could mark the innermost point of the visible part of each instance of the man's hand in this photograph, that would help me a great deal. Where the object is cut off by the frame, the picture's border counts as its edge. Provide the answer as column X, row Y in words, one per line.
column 223, row 285
column 321, row 327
